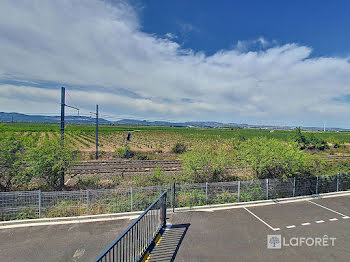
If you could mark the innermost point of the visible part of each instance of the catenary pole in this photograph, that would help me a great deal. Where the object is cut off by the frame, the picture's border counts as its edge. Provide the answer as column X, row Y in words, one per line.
column 63, row 98
column 96, row 132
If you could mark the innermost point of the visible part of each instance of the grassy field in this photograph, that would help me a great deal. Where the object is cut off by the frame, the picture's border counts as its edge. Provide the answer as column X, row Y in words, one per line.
column 157, row 139
column 207, row 154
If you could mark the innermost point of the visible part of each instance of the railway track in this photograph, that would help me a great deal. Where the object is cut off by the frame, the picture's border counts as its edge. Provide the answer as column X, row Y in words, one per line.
column 121, row 167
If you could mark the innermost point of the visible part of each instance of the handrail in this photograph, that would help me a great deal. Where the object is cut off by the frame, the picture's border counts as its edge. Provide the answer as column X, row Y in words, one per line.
column 111, row 246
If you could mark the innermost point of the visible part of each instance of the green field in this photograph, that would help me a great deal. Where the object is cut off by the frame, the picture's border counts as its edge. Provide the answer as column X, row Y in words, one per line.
column 32, row 152
column 157, row 135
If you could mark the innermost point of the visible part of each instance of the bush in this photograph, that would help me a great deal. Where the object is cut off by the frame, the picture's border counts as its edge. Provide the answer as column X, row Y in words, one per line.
column 310, row 141
column 208, row 162
column 336, row 145
column 124, row 152
column 157, row 177
column 141, row 156
column 271, row 158
column 49, row 160
column 89, row 182
column 179, row 148
column 12, row 152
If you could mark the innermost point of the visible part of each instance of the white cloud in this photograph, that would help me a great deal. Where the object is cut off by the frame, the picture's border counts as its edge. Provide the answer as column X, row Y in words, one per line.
column 99, row 51
column 259, row 43
column 188, row 27
column 170, row 36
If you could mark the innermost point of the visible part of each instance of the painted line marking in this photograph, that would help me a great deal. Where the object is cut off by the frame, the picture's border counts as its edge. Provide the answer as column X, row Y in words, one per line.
column 333, row 219
column 336, row 212
column 292, row 226
column 168, row 226
column 306, row 224
column 319, row 221
column 65, row 222
column 274, row 229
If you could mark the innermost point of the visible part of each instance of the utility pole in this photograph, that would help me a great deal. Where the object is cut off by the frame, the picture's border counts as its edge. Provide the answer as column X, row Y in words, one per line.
column 96, row 114
column 96, row 132
column 63, row 101
column 63, row 104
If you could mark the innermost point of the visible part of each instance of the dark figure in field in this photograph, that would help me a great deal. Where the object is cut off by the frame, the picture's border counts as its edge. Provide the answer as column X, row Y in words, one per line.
column 129, row 137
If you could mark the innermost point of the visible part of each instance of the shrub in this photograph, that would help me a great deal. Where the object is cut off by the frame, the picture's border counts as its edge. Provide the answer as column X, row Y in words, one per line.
column 12, row 163
column 157, row 176
column 49, row 160
column 207, row 162
column 271, row 158
column 141, row 156
column 125, row 152
column 310, row 141
column 89, row 182
column 179, row 148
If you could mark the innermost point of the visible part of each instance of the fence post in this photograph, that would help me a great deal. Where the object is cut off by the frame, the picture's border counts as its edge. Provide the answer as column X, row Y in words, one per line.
column 206, row 192
column 174, row 197
column 39, row 202
column 338, row 182
column 87, row 201
column 164, row 210
column 239, row 191
column 317, row 186
column 267, row 188
column 294, row 187
column 170, row 195
column 131, row 199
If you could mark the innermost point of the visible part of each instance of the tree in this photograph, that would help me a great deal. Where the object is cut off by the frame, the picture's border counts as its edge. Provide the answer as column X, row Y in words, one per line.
column 310, row 141
column 271, row 158
column 12, row 171
column 49, row 160
column 300, row 138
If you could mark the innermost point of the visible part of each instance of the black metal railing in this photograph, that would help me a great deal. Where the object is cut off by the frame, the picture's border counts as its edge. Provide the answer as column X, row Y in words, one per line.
column 135, row 241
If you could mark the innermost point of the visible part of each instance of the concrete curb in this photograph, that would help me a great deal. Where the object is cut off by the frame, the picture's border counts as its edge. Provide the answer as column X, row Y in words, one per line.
column 129, row 215
column 265, row 202
column 67, row 219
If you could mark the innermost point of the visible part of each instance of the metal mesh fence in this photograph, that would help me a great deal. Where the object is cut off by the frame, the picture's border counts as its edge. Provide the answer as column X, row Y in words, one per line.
column 35, row 204
column 221, row 193
column 19, row 205
column 280, row 188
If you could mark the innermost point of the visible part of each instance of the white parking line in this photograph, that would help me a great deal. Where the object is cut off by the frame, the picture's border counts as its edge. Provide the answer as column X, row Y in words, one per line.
column 67, row 222
column 336, row 212
column 306, row 224
column 274, row 229
column 292, row 226
column 333, row 219
column 319, row 221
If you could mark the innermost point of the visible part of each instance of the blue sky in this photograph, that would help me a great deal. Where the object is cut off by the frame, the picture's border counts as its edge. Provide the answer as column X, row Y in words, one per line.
column 258, row 62
column 323, row 25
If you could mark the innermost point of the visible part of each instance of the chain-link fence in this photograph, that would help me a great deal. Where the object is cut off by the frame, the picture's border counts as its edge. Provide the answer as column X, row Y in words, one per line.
column 36, row 204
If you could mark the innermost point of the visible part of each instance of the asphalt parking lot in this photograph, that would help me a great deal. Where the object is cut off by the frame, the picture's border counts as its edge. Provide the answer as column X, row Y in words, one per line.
column 59, row 242
column 237, row 233
column 241, row 234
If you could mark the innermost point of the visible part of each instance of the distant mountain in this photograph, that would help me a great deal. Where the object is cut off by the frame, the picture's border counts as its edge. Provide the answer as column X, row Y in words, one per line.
column 181, row 124
column 16, row 117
